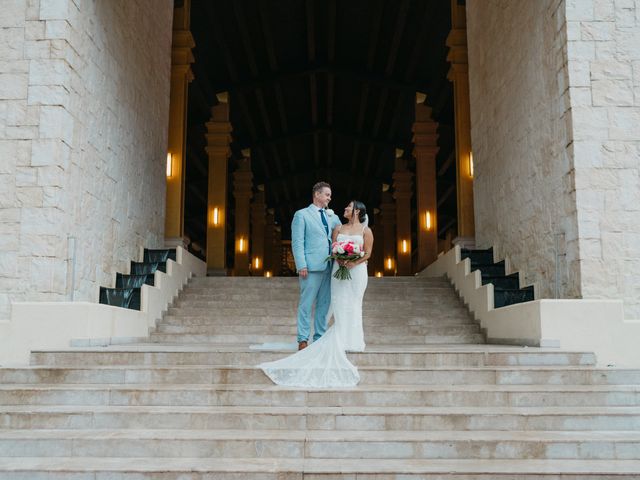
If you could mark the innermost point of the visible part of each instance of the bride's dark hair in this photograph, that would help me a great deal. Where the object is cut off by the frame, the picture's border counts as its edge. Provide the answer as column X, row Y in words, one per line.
column 358, row 205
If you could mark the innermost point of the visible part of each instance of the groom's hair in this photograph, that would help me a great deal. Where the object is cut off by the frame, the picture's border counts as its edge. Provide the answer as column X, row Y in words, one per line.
column 319, row 186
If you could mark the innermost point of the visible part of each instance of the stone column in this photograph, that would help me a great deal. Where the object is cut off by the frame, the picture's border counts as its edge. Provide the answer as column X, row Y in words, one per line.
column 269, row 240
column 425, row 141
column 242, row 192
column 181, row 75
column 402, row 178
column 377, row 260
column 258, row 222
column 218, row 139
column 459, row 75
column 277, row 250
column 388, row 223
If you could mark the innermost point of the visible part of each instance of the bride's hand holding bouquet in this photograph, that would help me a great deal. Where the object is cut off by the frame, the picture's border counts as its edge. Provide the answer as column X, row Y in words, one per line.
column 345, row 252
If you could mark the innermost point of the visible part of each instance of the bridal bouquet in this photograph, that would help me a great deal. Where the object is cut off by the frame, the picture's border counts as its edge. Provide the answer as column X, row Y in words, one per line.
column 345, row 251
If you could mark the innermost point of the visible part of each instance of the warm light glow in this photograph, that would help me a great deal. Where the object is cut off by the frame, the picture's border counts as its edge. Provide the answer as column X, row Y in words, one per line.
column 471, row 164
column 267, row 274
column 389, row 263
column 241, row 245
column 405, row 246
column 169, row 165
column 427, row 221
column 215, row 216
column 256, row 262
column 378, row 274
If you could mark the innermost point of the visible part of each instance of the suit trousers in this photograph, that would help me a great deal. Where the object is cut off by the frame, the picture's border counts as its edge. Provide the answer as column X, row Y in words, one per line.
column 316, row 288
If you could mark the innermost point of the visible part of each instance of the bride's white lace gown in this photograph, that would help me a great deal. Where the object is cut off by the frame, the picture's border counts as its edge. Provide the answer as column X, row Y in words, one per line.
column 324, row 363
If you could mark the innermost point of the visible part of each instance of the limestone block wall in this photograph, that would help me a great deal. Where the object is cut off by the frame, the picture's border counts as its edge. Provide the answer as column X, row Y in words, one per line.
column 84, row 93
column 604, row 90
column 521, row 125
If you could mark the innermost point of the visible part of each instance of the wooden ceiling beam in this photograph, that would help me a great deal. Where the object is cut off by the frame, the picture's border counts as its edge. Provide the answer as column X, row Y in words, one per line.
column 300, row 71
column 251, row 60
column 445, row 196
column 426, row 25
column 364, row 97
column 446, row 225
column 242, row 102
column 196, row 161
column 273, row 62
column 389, row 68
column 273, row 65
column 363, row 138
column 447, row 163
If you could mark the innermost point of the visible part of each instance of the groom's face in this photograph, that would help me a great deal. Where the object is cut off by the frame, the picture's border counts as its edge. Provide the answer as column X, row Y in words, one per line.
column 324, row 197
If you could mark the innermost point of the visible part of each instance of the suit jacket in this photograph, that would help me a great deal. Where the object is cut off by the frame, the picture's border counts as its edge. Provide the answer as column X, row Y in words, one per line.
column 309, row 240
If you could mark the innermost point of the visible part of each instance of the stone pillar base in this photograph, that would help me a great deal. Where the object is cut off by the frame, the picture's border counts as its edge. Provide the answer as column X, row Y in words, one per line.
column 173, row 242
column 216, row 272
column 465, row 242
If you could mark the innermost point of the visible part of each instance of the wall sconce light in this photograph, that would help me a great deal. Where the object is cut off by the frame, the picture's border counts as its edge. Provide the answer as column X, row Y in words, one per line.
column 471, row 164
column 256, row 263
column 169, row 165
column 215, row 217
column 389, row 263
column 405, row 246
column 379, row 274
column 242, row 245
column 267, row 274
column 427, row 221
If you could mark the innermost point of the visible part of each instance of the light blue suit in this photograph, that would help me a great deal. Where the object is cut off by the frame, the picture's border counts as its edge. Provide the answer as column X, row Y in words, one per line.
column 311, row 244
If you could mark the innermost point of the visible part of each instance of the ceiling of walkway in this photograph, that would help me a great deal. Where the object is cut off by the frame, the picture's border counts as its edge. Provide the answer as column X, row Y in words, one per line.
column 319, row 90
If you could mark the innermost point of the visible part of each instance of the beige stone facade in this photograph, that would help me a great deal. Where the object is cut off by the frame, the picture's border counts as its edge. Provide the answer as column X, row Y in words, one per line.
column 603, row 50
column 554, row 104
column 555, row 108
column 83, row 116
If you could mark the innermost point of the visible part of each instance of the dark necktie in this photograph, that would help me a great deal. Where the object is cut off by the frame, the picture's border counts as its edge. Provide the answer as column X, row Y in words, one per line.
column 324, row 221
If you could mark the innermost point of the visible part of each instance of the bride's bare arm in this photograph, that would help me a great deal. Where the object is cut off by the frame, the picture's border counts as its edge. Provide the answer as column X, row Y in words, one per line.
column 336, row 231
column 368, row 247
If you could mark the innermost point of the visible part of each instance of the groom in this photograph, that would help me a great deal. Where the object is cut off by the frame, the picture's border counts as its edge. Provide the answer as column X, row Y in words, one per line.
column 311, row 244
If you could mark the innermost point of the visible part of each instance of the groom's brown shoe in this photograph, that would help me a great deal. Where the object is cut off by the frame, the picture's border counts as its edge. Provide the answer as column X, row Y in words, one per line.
column 302, row 345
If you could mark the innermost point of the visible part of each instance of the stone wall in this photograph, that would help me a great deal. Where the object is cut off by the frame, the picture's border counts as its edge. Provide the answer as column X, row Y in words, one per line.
column 604, row 89
column 555, row 104
column 520, row 125
column 84, row 93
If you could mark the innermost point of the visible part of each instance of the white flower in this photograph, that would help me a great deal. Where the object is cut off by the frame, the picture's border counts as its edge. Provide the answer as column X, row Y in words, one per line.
column 362, row 254
column 340, row 249
column 328, row 212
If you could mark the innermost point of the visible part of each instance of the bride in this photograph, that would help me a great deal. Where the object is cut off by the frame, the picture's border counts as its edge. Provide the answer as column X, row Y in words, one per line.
column 324, row 363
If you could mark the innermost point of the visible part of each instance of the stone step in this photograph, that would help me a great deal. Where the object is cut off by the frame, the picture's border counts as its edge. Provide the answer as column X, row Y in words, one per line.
column 234, row 374
column 102, row 468
column 345, row 444
column 204, row 301
column 407, row 292
column 369, row 330
column 321, row 418
column 430, row 294
column 376, row 356
column 231, row 312
column 174, row 317
column 188, row 338
column 365, row 395
column 410, row 280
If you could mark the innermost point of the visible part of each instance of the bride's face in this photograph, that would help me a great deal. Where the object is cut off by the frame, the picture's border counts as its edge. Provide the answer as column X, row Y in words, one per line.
column 348, row 210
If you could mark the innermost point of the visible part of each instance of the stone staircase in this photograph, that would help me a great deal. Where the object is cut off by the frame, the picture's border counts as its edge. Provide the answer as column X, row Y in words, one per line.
column 434, row 402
